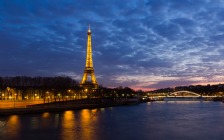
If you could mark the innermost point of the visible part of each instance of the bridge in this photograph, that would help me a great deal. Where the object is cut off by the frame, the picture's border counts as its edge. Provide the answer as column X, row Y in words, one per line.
column 185, row 95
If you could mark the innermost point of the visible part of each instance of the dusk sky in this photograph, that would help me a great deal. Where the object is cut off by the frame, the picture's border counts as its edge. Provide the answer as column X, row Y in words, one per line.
column 142, row 44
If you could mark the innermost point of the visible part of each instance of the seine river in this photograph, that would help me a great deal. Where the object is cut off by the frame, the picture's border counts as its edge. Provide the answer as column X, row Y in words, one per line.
column 148, row 121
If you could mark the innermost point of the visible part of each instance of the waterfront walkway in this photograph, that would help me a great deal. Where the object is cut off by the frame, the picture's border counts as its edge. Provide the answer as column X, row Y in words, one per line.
column 67, row 105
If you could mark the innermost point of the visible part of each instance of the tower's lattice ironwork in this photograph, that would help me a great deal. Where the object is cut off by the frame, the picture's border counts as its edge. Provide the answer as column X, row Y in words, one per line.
column 89, row 79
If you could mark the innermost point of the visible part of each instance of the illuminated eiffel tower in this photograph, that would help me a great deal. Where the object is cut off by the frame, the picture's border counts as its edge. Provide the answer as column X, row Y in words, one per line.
column 89, row 79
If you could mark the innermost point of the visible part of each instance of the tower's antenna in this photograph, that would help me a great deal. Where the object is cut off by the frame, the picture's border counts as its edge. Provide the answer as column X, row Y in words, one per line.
column 89, row 28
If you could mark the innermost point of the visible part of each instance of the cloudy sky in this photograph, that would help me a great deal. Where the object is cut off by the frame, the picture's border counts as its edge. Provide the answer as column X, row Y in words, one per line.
column 142, row 44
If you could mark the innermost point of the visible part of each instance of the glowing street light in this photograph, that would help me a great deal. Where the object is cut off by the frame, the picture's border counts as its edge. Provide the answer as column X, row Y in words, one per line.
column 3, row 95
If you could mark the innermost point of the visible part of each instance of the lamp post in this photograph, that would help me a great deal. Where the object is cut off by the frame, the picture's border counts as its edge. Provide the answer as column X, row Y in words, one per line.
column 3, row 96
column 15, row 100
column 59, row 96
column 47, row 96
column 69, row 95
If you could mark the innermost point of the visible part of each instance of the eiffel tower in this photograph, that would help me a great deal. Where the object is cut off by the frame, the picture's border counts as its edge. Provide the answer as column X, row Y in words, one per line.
column 89, row 79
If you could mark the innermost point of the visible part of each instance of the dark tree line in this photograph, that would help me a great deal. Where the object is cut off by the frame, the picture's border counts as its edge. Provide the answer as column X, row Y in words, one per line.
column 24, row 87
column 21, row 82
column 115, row 92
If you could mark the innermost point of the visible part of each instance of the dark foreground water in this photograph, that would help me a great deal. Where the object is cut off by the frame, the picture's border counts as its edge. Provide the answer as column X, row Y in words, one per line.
column 147, row 121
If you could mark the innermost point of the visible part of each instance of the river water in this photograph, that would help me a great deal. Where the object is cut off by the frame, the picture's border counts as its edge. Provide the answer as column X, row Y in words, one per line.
column 174, row 120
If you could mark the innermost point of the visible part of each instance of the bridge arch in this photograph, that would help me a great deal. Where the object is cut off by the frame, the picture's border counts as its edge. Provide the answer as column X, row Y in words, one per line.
column 184, row 92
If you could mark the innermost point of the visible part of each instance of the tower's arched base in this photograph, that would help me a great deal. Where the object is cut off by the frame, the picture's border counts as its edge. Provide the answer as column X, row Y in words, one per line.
column 88, row 89
column 89, row 85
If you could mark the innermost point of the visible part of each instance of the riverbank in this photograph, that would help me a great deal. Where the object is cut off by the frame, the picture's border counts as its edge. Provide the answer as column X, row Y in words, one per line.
column 68, row 105
column 218, row 99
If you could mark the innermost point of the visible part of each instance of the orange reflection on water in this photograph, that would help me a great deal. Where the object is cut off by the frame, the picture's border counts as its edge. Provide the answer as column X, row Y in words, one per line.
column 68, row 125
column 88, row 121
column 45, row 120
column 85, row 117
column 85, row 124
column 46, row 115
column 79, row 126
column 68, row 119
column 13, row 126
column 93, row 115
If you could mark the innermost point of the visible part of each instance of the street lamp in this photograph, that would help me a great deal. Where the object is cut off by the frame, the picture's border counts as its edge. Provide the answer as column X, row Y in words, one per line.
column 46, row 95
column 3, row 95
column 69, row 93
column 59, row 96
column 15, row 100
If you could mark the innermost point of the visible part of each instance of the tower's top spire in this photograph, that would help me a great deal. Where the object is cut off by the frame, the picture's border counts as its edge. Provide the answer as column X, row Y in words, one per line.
column 89, row 29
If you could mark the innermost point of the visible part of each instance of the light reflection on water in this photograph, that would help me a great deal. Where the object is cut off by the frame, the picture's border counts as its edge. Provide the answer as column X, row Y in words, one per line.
column 150, row 121
column 68, row 125
column 14, row 125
